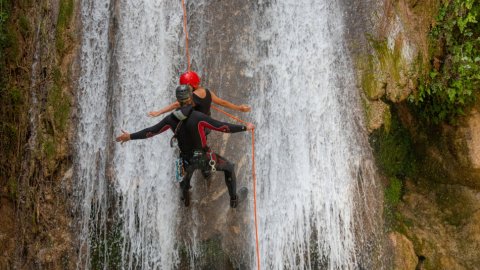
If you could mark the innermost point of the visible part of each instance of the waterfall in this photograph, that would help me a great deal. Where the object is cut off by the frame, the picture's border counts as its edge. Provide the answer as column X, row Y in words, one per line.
column 313, row 161
column 92, row 132
column 127, row 199
column 315, row 177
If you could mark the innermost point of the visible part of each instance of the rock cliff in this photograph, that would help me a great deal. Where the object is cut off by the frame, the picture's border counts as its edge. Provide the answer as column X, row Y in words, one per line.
column 39, row 43
column 431, row 170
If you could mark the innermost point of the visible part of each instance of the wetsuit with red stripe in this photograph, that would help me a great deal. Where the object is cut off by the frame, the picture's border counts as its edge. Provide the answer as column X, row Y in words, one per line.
column 192, row 142
column 191, row 134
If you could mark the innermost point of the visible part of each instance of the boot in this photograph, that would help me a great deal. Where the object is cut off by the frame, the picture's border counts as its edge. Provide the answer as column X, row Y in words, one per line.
column 239, row 197
column 185, row 197
column 234, row 201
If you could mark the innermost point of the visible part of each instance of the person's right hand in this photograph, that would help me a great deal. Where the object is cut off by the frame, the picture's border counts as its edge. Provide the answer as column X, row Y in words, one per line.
column 250, row 126
column 124, row 137
column 153, row 114
column 244, row 108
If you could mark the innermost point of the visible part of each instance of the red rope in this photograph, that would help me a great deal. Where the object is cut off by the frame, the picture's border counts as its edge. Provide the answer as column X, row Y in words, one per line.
column 255, row 199
column 257, row 245
column 186, row 33
column 253, row 141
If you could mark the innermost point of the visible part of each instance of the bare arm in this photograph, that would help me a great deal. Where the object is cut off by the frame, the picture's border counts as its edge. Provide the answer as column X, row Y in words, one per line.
column 226, row 104
column 168, row 108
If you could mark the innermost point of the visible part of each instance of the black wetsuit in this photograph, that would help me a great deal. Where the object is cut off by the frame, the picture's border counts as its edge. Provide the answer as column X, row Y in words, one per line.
column 192, row 142
column 203, row 104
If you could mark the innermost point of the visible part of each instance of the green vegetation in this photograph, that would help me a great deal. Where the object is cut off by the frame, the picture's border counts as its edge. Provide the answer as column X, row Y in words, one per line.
column 395, row 156
column 393, row 192
column 212, row 255
column 65, row 14
column 58, row 101
column 390, row 61
column 393, row 150
column 453, row 82
column 106, row 247
column 12, row 93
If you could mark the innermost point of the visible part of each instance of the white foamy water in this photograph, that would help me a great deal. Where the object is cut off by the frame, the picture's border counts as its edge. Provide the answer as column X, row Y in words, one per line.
column 310, row 151
column 148, row 36
column 313, row 165
column 126, row 195
column 92, row 134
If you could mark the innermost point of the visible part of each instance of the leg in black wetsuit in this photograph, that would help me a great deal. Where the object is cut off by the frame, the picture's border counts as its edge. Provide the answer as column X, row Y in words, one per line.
column 191, row 164
column 207, row 173
column 228, row 169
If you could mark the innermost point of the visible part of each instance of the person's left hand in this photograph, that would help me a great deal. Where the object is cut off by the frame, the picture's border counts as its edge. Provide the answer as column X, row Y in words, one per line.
column 153, row 114
column 244, row 108
column 124, row 137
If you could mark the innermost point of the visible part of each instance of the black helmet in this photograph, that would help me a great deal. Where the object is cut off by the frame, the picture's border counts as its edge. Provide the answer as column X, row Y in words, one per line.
column 183, row 92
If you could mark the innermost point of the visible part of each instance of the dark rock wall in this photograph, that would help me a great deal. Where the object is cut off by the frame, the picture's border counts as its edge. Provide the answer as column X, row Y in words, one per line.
column 40, row 67
column 431, row 172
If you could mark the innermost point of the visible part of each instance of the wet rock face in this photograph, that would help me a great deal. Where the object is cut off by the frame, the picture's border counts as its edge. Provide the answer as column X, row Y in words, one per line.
column 393, row 50
column 219, row 32
column 437, row 217
column 7, row 233
column 35, row 222
column 403, row 252
column 442, row 223
column 472, row 137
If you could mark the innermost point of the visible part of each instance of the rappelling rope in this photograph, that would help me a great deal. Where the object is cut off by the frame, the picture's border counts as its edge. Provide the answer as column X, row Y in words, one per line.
column 257, row 246
column 186, row 33
column 254, row 183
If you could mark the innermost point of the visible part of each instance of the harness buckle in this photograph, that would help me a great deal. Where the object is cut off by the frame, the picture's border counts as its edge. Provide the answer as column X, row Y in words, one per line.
column 212, row 162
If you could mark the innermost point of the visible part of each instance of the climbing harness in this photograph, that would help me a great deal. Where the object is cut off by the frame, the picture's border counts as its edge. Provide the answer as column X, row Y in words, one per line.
column 254, row 176
column 179, row 170
column 173, row 140
column 197, row 159
column 212, row 161
column 182, row 117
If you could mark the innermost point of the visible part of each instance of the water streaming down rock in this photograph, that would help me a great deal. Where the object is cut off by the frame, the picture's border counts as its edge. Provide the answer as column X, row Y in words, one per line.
column 313, row 169
column 314, row 173
column 148, row 36
column 127, row 199
column 92, row 132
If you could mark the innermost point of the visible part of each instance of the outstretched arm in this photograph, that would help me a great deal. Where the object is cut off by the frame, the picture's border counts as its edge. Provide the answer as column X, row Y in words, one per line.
column 210, row 123
column 226, row 104
column 146, row 133
column 168, row 108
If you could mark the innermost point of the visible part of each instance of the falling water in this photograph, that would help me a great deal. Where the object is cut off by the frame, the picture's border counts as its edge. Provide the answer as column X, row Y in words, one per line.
column 92, row 130
column 126, row 198
column 315, row 180
column 313, row 161
column 149, row 32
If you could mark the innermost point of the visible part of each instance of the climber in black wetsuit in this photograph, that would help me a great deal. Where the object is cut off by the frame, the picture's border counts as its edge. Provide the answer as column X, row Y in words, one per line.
column 189, row 126
column 202, row 98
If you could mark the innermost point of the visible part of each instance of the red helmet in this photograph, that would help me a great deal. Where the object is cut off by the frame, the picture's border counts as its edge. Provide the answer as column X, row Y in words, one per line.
column 190, row 78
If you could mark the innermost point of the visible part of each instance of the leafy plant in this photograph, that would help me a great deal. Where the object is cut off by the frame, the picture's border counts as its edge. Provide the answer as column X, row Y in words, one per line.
column 449, row 88
column 393, row 192
column 393, row 150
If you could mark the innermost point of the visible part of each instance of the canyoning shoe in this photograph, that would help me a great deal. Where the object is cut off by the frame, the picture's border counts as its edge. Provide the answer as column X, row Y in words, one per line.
column 240, row 197
column 234, row 202
column 185, row 197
